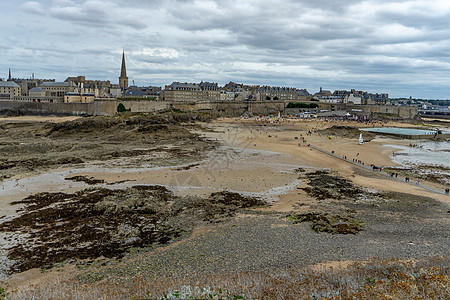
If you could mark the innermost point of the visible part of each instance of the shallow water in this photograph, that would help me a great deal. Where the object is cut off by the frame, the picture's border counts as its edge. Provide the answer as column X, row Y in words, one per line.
column 404, row 131
column 435, row 153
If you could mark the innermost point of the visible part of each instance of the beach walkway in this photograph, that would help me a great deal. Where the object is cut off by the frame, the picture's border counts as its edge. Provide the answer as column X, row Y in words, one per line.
column 382, row 173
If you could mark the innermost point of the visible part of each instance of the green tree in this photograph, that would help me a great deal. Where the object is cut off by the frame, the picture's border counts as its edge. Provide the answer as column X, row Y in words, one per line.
column 121, row 108
column 302, row 105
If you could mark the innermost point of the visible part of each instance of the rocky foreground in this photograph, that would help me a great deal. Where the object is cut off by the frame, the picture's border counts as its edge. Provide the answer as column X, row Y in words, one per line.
column 103, row 223
column 99, row 223
column 29, row 147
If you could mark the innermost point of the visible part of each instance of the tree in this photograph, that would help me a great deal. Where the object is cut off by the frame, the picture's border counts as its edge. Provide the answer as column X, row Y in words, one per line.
column 121, row 108
column 302, row 105
column 268, row 98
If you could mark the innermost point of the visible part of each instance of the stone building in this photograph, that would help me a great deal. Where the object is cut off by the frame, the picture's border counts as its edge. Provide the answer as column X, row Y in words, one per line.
column 115, row 90
column 100, row 88
column 9, row 89
column 380, row 99
column 278, row 93
column 352, row 98
column 58, row 89
column 184, row 92
column 226, row 95
column 324, row 95
column 210, row 91
column 246, row 93
column 145, row 92
column 36, row 92
column 77, row 97
column 27, row 84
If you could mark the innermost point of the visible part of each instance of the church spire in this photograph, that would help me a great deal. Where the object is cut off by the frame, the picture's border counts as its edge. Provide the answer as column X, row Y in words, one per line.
column 123, row 79
column 123, row 71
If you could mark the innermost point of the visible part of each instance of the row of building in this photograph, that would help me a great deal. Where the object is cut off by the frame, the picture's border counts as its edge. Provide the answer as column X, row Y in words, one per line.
column 78, row 89
column 352, row 96
column 208, row 91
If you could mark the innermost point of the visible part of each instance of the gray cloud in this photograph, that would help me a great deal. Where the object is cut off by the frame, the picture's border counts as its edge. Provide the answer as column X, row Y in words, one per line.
column 33, row 7
column 89, row 12
column 394, row 46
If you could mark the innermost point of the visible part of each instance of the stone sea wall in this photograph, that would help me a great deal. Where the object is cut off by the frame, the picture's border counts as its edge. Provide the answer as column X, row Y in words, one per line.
column 42, row 108
column 224, row 108
column 109, row 107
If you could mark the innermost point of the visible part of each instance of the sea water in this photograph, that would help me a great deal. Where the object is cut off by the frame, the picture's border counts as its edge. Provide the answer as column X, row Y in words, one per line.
column 402, row 131
column 435, row 153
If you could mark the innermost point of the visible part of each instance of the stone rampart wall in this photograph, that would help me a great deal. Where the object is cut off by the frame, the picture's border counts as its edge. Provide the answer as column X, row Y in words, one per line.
column 404, row 112
column 77, row 109
column 224, row 108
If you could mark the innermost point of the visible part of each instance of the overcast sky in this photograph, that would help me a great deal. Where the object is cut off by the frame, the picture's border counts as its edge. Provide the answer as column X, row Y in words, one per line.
column 398, row 47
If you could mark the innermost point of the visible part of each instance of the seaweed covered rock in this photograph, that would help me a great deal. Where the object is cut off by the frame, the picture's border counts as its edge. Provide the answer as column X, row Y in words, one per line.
column 330, row 223
column 323, row 185
column 235, row 199
column 100, row 222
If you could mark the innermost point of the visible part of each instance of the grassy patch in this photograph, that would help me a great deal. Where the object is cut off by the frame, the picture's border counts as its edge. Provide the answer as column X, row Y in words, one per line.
column 375, row 279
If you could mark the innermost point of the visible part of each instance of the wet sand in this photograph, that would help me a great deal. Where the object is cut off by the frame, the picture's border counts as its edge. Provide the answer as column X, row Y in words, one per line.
column 253, row 159
column 258, row 158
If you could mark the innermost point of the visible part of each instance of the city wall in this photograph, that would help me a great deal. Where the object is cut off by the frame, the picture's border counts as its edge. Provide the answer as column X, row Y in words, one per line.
column 109, row 107
column 233, row 109
column 224, row 108
column 77, row 109
column 404, row 112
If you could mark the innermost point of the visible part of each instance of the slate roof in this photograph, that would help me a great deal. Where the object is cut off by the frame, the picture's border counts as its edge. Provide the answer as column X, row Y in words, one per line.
column 186, row 86
column 9, row 84
column 57, row 84
column 36, row 89
column 136, row 93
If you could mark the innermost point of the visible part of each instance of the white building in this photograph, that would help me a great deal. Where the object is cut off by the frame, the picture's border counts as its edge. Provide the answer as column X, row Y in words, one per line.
column 353, row 99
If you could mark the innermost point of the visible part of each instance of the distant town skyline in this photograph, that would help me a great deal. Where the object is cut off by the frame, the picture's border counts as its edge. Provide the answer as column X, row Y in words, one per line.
column 397, row 47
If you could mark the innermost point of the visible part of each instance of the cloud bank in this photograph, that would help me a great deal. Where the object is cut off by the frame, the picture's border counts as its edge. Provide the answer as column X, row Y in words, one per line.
column 399, row 47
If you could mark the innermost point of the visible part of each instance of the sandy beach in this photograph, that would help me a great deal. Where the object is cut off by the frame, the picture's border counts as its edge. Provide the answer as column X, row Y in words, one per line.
column 253, row 158
column 265, row 160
